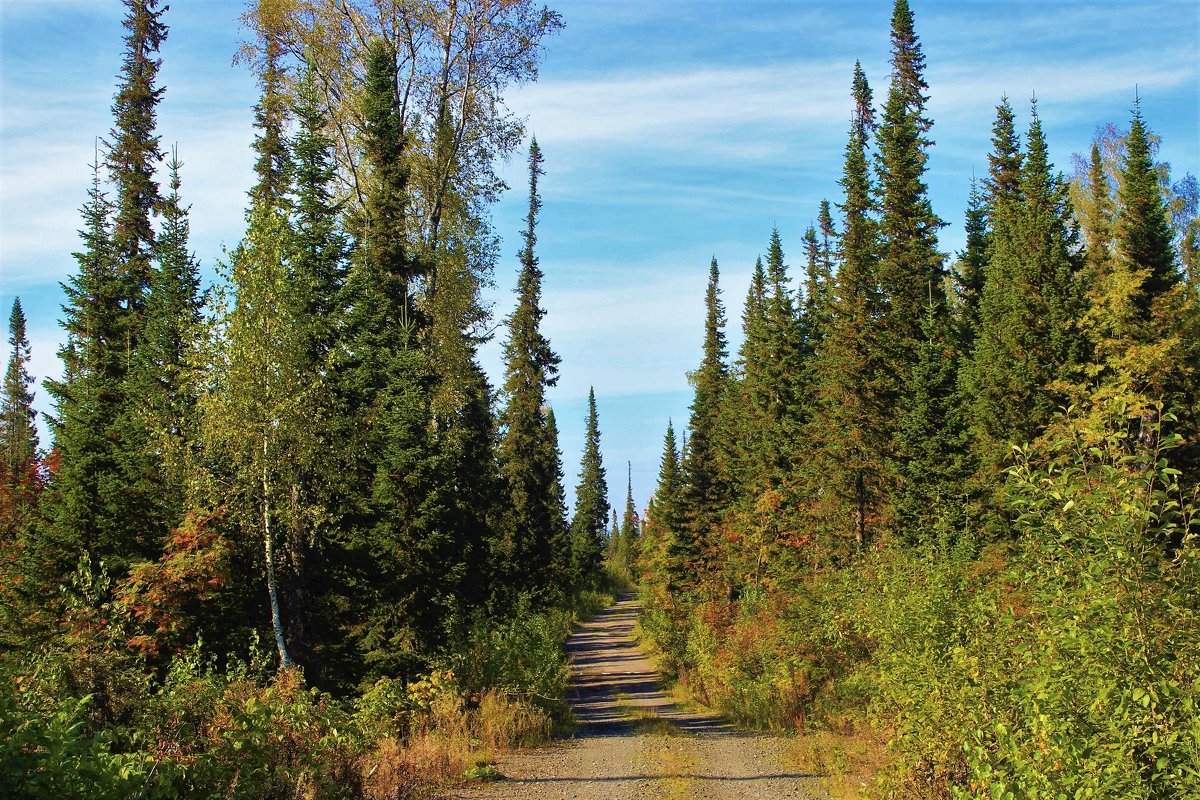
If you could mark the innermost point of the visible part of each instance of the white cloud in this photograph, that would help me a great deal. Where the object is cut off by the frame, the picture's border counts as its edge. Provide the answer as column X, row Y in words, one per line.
column 658, row 111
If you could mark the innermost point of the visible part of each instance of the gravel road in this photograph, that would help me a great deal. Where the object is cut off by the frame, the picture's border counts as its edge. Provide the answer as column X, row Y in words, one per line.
column 632, row 741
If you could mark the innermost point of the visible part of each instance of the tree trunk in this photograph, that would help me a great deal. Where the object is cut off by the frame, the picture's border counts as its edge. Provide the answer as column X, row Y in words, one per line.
column 285, row 662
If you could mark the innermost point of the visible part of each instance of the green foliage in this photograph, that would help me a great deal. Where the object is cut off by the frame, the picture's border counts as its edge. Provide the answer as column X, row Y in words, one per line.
column 18, row 433
column 528, row 552
column 521, row 656
column 589, row 525
column 847, row 434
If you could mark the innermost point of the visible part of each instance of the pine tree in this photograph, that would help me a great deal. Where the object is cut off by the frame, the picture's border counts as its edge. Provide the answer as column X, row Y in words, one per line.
column 523, row 553
column 589, row 524
column 910, row 266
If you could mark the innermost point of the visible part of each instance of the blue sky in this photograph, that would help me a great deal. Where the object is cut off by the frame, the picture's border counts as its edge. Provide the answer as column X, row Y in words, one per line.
column 673, row 131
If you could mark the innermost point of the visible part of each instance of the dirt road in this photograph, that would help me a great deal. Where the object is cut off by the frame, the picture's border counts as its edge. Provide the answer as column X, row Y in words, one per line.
column 632, row 741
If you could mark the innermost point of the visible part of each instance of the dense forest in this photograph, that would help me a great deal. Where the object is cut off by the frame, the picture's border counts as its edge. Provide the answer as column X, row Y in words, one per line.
column 953, row 500
column 288, row 540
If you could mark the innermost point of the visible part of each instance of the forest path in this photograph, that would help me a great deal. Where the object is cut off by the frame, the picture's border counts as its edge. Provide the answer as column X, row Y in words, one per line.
column 633, row 741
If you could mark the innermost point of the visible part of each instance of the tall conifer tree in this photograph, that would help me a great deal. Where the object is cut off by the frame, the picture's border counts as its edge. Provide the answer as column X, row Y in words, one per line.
column 631, row 524
column 706, row 488
column 87, row 508
column 1003, row 183
column 848, row 433
column 160, row 380
column 972, row 267
column 133, row 156
column 1030, row 311
column 588, row 526
column 18, row 429
column 910, row 266
column 523, row 551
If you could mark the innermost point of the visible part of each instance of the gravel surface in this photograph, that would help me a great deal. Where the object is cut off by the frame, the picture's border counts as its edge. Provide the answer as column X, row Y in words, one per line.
column 632, row 741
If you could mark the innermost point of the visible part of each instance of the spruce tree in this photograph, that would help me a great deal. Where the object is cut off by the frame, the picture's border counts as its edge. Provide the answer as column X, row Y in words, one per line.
column 410, row 535
column 320, row 572
column 161, row 382
column 931, row 462
column 588, row 526
column 971, row 269
column 910, row 266
column 1161, row 317
column 106, row 500
column 631, row 528
column 132, row 159
column 1143, row 229
column 18, row 429
column 91, row 509
column 1030, row 309
column 784, row 365
column 706, row 489
column 815, row 307
column 664, row 505
column 523, row 551
column 562, row 564
column 753, row 385
column 848, row 436
column 1096, row 220
column 21, row 484
column 1003, row 183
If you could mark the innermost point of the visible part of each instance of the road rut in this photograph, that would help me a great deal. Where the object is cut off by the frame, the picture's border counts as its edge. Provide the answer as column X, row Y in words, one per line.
column 633, row 742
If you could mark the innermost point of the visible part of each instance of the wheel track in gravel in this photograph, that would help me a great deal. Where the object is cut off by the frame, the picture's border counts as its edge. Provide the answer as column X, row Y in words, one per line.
column 634, row 742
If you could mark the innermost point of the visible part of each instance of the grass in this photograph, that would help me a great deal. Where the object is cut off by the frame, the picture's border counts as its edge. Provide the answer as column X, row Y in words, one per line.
column 847, row 761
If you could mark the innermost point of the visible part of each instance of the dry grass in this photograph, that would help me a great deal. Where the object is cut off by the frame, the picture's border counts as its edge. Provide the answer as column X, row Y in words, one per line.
column 500, row 723
column 849, row 762
column 453, row 744
column 648, row 723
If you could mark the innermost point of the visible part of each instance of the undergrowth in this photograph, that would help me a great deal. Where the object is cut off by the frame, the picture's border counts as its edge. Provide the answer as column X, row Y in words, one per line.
column 89, row 719
column 1060, row 662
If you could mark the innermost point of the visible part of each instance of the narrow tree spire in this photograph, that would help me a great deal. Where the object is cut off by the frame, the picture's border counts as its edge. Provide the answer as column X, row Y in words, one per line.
column 972, row 266
column 523, row 552
column 18, row 431
column 588, row 526
column 911, row 266
column 1143, row 229
column 133, row 156
column 1004, row 162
